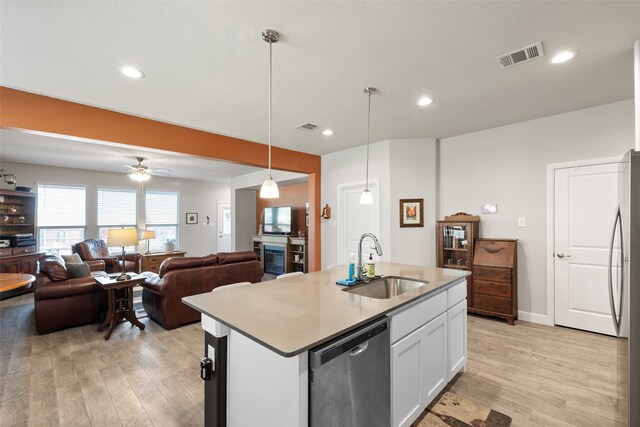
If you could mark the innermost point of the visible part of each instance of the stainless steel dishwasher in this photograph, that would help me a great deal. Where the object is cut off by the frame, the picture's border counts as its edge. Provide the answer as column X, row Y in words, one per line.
column 349, row 379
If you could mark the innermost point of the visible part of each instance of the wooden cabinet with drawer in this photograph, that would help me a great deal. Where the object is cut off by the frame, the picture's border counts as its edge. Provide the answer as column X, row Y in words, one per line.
column 152, row 261
column 495, row 284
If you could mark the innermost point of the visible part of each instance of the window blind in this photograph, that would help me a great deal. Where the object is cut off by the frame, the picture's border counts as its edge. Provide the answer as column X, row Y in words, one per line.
column 116, row 207
column 161, row 207
column 62, row 206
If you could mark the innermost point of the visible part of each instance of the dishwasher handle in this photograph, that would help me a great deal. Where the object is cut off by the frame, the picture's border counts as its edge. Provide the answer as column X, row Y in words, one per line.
column 359, row 349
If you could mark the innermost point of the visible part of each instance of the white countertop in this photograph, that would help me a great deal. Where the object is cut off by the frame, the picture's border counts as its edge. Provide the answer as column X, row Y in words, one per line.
column 297, row 313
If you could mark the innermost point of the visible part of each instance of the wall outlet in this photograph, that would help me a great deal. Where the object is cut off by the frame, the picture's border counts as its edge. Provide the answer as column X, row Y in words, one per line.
column 522, row 222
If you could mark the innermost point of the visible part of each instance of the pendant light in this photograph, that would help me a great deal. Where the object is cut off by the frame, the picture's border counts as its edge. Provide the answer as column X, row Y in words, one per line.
column 366, row 198
column 269, row 189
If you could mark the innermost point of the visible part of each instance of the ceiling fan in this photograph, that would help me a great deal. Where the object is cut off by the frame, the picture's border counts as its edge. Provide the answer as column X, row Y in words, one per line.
column 142, row 173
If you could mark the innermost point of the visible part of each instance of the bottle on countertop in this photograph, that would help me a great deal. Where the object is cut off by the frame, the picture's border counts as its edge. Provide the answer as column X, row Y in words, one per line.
column 371, row 267
column 352, row 268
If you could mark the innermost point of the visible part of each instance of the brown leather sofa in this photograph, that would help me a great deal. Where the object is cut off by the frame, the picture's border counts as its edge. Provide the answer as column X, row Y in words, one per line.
column 95, row 249
column 62, row 301
column 180, row 277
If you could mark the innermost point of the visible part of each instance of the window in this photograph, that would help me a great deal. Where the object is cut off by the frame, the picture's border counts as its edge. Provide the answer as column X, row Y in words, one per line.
column 117, row 208
column 162, row 217
column 62, row 217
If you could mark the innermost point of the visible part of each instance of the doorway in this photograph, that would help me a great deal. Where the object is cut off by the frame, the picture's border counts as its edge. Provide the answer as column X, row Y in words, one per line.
column 224, row 227
column 585, row 197
column 355, row 219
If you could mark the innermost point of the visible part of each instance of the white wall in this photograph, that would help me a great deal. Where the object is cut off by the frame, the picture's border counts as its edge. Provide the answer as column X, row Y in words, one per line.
column 405, row 169
column 413, row 176
column 195, row 196
column 508, row 166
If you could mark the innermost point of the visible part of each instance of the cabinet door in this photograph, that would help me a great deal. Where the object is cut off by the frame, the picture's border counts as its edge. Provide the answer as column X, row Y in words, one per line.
column 406, row 374
column 12, row 266
column 418, row 370
column 457, row 331
column 435, row 358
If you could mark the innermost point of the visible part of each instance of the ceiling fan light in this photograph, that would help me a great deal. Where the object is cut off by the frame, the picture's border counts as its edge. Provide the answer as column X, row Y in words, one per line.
column 269, row 189
column 366, row 198
column 139, row 176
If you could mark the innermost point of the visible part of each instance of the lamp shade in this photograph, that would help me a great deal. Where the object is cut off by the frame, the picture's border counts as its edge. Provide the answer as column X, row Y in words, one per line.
column 366, row 198
column 122, row 237
column 269, row 189
column 148, row 234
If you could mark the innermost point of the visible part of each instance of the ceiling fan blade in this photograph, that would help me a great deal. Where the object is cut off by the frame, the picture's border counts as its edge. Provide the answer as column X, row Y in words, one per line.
column 159, row 172
column 130, row 167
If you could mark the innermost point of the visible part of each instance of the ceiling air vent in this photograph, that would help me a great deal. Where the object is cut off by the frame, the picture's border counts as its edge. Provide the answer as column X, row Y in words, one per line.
column 306, row 127
column 519, row 56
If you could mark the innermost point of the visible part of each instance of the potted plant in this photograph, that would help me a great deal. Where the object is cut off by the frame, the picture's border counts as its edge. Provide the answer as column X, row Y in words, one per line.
column 170, row 245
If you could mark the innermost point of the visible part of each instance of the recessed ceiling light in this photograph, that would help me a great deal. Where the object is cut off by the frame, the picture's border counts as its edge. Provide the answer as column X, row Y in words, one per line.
column 563, row 56
column 327, row 132
column 424, row 101
column 132, row 72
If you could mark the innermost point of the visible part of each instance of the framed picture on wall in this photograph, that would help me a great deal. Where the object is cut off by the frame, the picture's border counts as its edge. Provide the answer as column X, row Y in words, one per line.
column 411, row 213
column 192, row 218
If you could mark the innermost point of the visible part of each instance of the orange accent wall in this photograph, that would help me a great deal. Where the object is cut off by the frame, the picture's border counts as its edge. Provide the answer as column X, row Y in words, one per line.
column 294, row 195
column 32, row 113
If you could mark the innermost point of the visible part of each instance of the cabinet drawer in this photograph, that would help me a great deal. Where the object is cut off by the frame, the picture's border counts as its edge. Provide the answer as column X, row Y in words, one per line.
column 409, row 319
column 500, row 253
column 5, row 251
column 23, row 250
column 494, row 274
column 492, row 288
column 491, row 303
column 456, row 294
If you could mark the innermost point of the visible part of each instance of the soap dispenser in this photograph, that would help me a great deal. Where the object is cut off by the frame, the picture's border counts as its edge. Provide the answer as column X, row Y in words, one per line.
column 371, row 267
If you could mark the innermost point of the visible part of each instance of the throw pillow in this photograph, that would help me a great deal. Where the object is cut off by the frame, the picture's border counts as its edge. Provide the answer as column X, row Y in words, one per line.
column 78, row 270
column 72, row 259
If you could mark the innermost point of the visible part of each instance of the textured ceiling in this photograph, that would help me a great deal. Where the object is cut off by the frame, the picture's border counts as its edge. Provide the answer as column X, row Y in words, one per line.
column 206, row 64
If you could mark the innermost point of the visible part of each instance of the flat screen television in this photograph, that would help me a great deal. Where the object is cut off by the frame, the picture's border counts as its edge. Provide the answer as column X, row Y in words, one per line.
column 277, row 220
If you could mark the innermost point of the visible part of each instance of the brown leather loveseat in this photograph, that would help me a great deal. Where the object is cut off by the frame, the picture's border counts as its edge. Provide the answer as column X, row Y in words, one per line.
column 180, row 277
column 62, row 301
column 96, row 249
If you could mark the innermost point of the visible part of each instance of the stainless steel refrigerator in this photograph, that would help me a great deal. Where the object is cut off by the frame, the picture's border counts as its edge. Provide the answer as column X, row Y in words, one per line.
column 624, row 286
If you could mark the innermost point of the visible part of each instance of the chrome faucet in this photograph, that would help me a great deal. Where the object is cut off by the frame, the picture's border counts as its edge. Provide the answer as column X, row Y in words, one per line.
column 360, row 267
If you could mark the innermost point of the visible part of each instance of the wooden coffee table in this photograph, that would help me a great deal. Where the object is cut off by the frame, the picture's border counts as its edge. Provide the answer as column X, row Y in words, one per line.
column 120, row 295
column 10, row 281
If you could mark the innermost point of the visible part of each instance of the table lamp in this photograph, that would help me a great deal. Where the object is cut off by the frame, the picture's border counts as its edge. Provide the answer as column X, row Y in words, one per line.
column 121, row 237
column 148, row 235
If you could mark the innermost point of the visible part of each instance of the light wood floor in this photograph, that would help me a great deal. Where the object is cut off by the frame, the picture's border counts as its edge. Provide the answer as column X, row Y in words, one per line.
column 539, row 375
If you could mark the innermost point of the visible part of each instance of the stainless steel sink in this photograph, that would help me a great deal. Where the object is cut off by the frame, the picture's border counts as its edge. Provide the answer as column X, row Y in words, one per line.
column 385, row 287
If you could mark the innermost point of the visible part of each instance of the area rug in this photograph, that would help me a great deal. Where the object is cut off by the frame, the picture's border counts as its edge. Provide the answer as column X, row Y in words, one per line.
column 453, row 411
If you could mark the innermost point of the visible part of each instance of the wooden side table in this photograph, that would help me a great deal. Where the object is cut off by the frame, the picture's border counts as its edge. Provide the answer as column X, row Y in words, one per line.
column 120, row 296
column 152, row 261
column 11, row 281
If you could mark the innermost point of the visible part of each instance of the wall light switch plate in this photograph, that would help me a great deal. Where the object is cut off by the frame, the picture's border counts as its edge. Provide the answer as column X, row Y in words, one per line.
column 489, row 208
column 522, row 222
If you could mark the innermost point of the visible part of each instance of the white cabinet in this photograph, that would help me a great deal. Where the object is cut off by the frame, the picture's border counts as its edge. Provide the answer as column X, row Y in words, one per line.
column 419, row 370
column 429, row 346
column 457, row 331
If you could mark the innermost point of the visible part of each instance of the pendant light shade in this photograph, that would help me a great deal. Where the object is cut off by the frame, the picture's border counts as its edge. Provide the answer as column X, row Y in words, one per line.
column 269, row 188
column 366, row 198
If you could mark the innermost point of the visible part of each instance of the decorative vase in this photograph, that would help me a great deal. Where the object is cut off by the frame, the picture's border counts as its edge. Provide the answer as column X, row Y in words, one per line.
column 169, row 247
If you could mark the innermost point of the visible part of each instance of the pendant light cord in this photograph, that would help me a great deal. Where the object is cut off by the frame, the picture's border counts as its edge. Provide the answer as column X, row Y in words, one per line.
column 366, row 185
column 270, row 61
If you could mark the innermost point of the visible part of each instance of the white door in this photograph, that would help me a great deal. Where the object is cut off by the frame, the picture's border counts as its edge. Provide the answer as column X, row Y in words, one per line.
column 435, row 358
column 407, row 366
column 224, row 227
column 355, row 220
column 586, row 199
column 457, row 330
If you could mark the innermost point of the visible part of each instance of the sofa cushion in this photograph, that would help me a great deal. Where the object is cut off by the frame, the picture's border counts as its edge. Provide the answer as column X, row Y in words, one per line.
column 232, row 257
column 72, row 259
column 53, row 266
column 78, row 270
column 66, row 289
column 186, row 262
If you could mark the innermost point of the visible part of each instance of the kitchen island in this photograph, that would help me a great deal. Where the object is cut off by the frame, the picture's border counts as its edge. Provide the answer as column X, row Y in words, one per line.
column 270, row 327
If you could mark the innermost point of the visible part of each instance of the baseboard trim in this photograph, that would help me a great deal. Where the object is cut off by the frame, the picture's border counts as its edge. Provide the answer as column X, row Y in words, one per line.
column 534, row 317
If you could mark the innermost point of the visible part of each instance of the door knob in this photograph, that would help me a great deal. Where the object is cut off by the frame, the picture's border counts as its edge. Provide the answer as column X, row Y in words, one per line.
column 564, row 256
